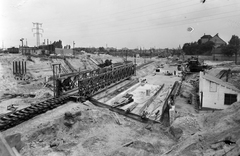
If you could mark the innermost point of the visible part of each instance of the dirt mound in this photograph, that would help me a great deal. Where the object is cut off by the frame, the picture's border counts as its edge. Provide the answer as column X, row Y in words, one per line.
column 146, row 70
column 219, row 134
column 228, row 118
column 140, row 148
column 64, row 133
column 43, row 93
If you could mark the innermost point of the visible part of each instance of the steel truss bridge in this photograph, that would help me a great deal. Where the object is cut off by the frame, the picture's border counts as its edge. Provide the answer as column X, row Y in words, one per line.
column 83, row 84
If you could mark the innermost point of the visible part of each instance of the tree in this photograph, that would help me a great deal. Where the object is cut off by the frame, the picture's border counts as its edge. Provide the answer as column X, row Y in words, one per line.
column 232, row 47
column 206, row 48
column 228, row 50
column 101, row 49
column 234, row 41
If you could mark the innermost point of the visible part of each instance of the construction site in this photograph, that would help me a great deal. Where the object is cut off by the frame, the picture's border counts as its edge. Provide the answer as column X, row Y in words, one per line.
column 76, row 106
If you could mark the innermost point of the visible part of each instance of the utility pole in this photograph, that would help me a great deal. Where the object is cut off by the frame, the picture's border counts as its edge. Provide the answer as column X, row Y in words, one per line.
column 37, row 32
column 73, row 44
column 22, row 44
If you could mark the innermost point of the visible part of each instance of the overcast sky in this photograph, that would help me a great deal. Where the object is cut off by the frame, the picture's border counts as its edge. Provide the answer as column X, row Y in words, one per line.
column 118, row 23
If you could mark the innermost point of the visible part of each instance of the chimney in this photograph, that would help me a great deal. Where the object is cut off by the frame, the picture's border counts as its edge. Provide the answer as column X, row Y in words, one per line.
column 47, row 41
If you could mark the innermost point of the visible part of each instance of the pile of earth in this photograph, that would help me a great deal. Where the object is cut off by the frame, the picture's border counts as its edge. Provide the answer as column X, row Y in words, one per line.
column 218, row 134
column 94, row 131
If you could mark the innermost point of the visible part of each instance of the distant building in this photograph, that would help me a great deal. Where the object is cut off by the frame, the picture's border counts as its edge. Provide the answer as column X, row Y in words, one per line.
column 48, row 49
column 57, row 44
column 215, row 39
column 214, row 93
column 13, row 50
column 218, row 41
column 25, row 50
column 67, row 47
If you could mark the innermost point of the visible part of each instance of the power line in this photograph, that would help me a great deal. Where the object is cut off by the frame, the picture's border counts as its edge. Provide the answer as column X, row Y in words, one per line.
column 104, row 18
column 135, row 8
column 158, row 8
column 151, row 28
column 167, row 23
column 166, row 16
column 37, row 32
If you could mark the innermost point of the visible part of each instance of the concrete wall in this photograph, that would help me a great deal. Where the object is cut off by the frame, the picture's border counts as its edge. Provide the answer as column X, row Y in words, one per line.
column 64, row 52
column 214, row 99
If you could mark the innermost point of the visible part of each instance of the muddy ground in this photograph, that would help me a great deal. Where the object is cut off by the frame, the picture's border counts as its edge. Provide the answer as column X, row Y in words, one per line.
column 76, row 129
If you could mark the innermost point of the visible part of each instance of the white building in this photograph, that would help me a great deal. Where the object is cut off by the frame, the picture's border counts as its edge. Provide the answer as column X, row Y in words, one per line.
column 215, row 93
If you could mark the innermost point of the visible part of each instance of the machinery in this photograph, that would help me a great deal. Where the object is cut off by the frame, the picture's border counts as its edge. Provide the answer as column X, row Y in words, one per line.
column 195, row 66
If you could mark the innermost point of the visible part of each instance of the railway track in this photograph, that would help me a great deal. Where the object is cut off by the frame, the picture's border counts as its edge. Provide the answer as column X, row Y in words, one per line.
column 12, row 119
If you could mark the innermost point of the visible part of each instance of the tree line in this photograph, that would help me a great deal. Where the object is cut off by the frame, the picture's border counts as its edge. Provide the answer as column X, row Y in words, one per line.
column 198, row 48
column 152, row 52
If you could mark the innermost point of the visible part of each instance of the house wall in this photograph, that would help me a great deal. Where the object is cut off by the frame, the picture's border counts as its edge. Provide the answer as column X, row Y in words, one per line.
column 214, row 100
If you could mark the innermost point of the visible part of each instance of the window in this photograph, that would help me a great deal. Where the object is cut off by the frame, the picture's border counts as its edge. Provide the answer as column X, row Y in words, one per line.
column 213, row 87
column 230, row 99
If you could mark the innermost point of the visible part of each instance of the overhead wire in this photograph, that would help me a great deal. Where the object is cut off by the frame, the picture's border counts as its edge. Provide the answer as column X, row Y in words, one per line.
column 116, row 13
column 169, row 16
column 138, row 30
column 161, row 25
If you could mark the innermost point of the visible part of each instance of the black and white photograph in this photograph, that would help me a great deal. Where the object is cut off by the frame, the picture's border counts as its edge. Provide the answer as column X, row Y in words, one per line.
column 119, row 78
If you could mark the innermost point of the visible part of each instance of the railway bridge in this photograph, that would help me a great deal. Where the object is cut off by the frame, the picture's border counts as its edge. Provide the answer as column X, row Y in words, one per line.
column 82, row 84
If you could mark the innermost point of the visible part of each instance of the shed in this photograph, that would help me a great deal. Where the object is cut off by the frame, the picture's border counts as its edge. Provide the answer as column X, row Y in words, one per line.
column 215, row 93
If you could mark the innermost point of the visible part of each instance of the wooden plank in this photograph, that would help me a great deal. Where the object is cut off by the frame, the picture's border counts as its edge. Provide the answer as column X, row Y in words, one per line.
column 5, row 149
column 15, row 151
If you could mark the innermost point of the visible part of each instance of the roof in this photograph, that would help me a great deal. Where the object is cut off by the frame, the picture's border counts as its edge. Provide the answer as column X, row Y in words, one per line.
column 206, row 36
column 219, row 81
column 220, row 38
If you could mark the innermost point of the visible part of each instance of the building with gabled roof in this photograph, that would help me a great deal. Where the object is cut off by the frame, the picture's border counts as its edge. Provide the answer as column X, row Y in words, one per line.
column 218, row 41
column 214, row 93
